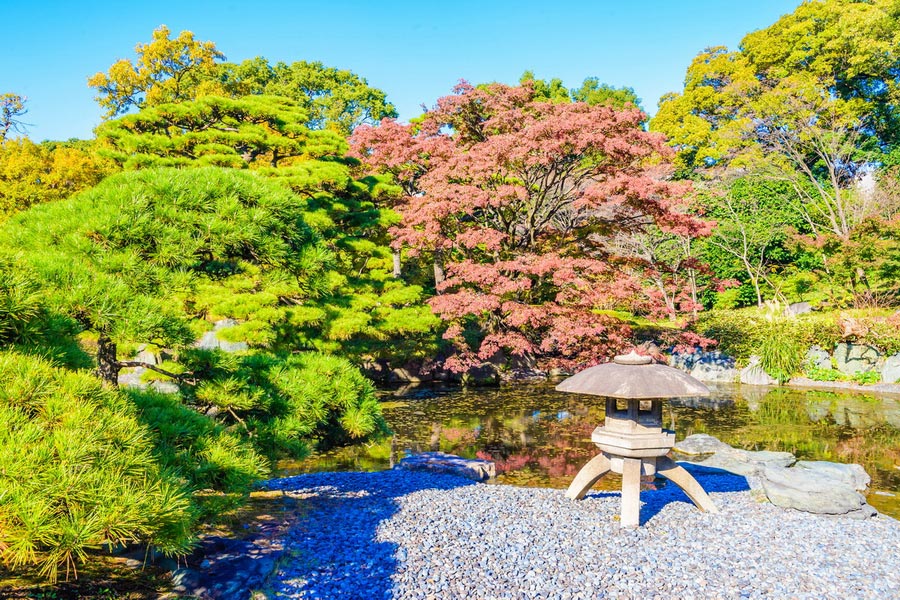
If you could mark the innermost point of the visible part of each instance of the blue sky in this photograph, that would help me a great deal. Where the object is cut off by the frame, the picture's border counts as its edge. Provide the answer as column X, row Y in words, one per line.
column 414, row 51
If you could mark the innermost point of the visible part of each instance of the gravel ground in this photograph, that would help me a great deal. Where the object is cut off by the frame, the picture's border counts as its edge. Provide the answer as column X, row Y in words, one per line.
column 400, row 534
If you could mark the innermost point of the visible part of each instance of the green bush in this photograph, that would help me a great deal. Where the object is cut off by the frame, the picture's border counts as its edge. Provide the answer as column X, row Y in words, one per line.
column 866, row 377
column 78, row 472
column 200, row 452
column 285, row 404
column 817, row 374
column 780, row 350
column 742, row 333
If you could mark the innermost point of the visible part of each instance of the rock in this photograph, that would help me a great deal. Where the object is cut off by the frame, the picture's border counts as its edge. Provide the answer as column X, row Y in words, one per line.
column 132, row 378
column 210, row 340
column 684, row 360
column 224, row 324
column 814, row 491
column 165, row 387
column 733, row 460
column 714, row 373
column 483, row 374
column 855, row 358
column 715, row 358
column 146, row 356
column 797, row 308
column 811, row 486
column 706, row 366
column 440, row 462
column 407, row 375
column 233, row 346
column 890, row 371
column 700, row 443
column 185, row 579
column 753, row 374
column 746, row 462
column 851, row 475
column 817, row 357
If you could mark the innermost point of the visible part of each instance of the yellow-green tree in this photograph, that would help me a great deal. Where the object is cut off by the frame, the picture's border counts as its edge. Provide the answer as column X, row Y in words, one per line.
column 166, row 70
column 34, row 173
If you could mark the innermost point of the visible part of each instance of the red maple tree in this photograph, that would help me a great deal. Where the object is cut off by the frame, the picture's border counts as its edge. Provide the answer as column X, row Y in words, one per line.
column 518, row 203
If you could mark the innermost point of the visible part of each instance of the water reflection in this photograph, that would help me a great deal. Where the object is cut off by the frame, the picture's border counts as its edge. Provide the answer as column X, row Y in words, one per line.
column 540, row 437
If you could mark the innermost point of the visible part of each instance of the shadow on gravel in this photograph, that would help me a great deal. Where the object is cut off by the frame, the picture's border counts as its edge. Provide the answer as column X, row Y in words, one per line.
column 333, row 552
column 712, row 480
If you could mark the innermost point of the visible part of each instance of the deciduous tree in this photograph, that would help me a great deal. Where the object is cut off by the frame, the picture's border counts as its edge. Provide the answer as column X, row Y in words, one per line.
column 519, row 199
column 166, row 70
column 12, row 107
column 34, row 173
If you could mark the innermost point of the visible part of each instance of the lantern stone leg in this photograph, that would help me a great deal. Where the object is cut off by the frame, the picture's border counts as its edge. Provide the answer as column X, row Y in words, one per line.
column 669, row 469
column 630, row 511
column 589, row 474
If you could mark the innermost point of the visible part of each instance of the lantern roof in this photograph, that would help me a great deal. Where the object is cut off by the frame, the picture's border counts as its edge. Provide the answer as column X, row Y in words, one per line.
column 633, row 376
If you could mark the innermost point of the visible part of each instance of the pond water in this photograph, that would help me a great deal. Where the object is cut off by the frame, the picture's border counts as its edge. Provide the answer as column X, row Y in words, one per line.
column 539, row 437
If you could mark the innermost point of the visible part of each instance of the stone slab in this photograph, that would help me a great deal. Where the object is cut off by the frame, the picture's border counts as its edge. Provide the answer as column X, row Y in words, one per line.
column 441, row 462
column 813, row 491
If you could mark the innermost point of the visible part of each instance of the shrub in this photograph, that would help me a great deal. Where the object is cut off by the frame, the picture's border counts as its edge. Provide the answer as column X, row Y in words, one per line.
column 780, row 350
column 199, row 452
column 817, row 374
column 78, row 472
column 284, row 404
column 741, row 333
column 866, row 377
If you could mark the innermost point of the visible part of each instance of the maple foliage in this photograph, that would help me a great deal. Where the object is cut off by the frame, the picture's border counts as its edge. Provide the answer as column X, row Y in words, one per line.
column 518, row 202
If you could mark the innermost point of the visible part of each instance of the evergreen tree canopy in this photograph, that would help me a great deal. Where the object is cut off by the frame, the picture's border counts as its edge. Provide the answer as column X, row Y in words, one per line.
column 77, row 472
column 153, row 256
column 214, row 130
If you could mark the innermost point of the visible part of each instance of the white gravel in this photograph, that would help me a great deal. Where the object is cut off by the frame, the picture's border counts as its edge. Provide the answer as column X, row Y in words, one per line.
column 400, row 534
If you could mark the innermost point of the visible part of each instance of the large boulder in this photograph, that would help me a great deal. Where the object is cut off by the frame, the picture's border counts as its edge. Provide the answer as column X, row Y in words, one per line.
column 811, row 486
column 817, row 357
column 815, row 491
column 890, row 371
column 700, row 443
column 847, row 474
column 441, row 462
column 714, row 367
column 754, row 374
column 856, row 358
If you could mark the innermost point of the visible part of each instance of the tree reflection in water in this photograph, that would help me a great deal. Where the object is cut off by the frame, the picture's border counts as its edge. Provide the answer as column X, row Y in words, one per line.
column 540, row 437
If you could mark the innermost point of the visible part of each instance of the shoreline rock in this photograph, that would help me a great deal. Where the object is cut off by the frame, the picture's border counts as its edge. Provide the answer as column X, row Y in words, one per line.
column 818, row 487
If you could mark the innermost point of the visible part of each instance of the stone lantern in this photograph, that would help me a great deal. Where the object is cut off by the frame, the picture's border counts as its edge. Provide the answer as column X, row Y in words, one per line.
column 632, row 441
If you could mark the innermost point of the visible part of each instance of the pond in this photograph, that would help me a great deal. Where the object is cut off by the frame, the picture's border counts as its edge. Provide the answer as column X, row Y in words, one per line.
column 539, row 437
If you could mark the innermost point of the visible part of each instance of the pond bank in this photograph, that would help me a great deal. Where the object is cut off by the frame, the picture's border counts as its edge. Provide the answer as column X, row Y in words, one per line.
column 399, row 534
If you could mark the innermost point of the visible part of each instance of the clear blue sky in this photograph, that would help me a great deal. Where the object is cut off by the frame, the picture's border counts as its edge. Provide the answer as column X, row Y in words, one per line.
column 414, row 51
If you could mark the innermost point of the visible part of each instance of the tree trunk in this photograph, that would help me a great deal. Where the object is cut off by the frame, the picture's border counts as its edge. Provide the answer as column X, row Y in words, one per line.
column 395, row 253
column 107, row 364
